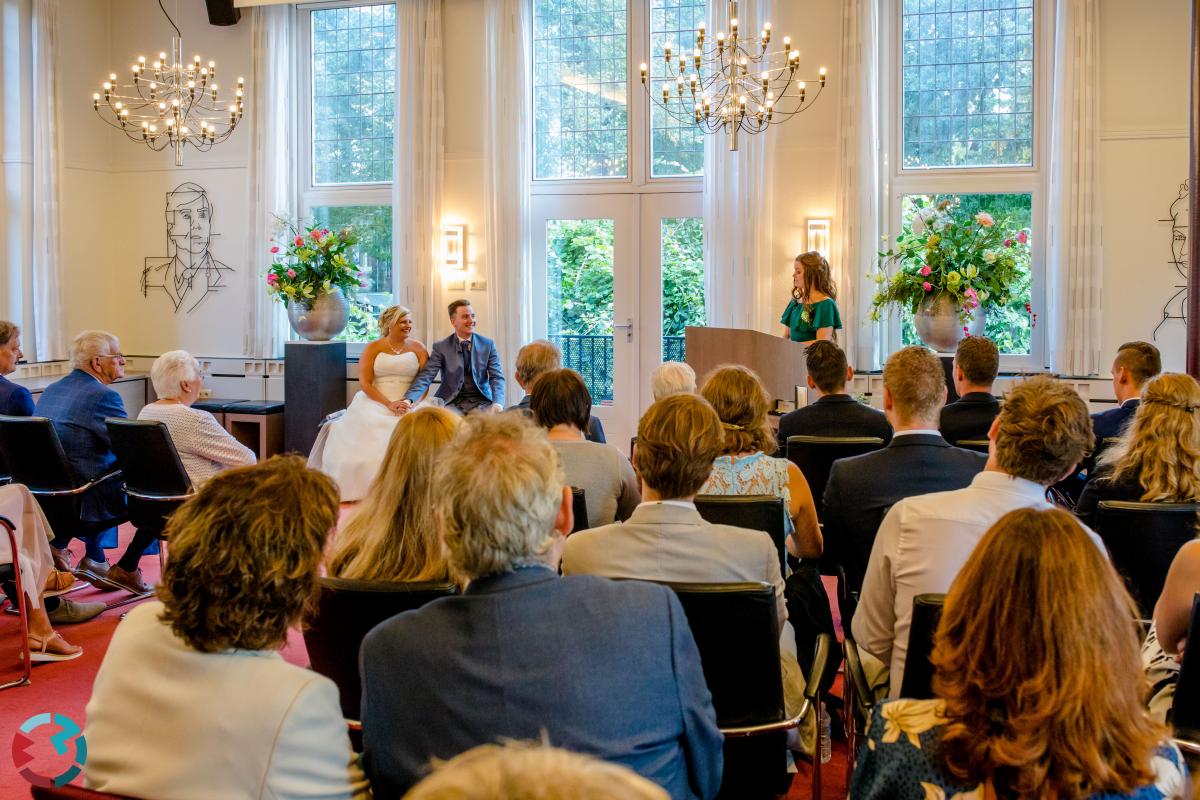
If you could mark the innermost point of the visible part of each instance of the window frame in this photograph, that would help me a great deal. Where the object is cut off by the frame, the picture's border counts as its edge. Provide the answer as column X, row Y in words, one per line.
column 310, row 193
column 1033, row 179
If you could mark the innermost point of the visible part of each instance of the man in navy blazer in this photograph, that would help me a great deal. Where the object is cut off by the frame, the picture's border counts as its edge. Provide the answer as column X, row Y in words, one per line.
column 536, row 359
column 976, row 365
column 596, row 666
column 478, row 385
column 1135, row 364
column 918, row 461
column 835, row 413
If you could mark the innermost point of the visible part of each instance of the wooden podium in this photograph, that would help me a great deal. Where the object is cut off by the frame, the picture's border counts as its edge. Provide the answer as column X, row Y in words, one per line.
column 778, row 361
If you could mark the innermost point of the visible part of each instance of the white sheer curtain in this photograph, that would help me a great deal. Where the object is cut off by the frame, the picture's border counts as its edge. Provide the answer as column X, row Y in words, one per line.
column 506, row 132
column 860, row 211
column 417, row 189
column 272, row 120
column 44, row 338
column 737, row 213
column 1075, row 264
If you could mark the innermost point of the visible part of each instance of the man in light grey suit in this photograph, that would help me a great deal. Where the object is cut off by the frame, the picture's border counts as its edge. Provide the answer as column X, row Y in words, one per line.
column 472, row 378
column 666, row 539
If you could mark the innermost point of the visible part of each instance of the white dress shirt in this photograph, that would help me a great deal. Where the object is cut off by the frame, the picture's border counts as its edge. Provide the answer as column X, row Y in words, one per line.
column 922, row 544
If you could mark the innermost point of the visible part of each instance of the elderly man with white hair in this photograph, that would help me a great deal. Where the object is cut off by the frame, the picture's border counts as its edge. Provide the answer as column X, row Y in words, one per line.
column 672, row 377
column 533, row 361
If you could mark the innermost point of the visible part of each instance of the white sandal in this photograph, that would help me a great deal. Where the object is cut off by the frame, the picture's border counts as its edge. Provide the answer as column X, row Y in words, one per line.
column 39, row 652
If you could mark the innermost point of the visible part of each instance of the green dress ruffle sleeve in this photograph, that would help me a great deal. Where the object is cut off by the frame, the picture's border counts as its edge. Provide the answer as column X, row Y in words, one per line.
column 821, row 315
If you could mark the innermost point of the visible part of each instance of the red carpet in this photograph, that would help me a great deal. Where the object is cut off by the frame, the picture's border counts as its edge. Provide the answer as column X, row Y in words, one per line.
column 65, row 687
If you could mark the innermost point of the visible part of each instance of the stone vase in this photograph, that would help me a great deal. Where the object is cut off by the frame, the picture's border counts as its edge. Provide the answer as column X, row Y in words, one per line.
column 938, row 324
column 324, row 319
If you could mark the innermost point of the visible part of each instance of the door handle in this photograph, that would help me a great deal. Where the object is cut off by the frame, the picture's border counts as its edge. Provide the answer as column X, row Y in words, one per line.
column 628, row 326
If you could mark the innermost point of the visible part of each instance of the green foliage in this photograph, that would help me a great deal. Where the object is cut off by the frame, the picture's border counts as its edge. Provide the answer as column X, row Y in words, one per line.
column 362, row 325
column 315, row 261
column 683, row 274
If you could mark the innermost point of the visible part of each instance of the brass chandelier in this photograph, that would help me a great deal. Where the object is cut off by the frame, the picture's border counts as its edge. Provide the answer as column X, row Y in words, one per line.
column 170, row 103
column 737, row 84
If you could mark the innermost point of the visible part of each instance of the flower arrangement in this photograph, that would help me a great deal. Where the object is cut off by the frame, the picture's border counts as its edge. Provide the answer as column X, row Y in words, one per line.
column 974, row 259
column 311, row 262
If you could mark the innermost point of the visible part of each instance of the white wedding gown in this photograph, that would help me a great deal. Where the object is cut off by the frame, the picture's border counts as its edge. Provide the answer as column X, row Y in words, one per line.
column 351, row 448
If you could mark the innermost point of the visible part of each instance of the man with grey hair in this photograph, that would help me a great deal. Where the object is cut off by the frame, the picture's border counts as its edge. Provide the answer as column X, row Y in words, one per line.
column 533, row 361
column 672, row 377
column 591, row 665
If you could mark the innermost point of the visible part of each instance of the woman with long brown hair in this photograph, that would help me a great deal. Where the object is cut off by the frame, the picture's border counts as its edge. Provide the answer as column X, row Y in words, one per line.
column 812, row 312
column 1038, row 682
column 391, row 536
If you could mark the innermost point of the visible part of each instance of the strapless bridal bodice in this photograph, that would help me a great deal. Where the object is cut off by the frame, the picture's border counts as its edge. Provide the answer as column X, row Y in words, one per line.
column 395, row 373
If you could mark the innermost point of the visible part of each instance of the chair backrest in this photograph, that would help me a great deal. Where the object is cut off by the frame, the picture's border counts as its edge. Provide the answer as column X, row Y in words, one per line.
column 918, row 672
column 1185, row 710
column 759, row 512
column 149, row 463
column 34, row 454
column 346, row 611
column 978, row 445
column 736, row 631
column 814, row 455
column 69, row 792
column 579, row 507
column 1142, row 539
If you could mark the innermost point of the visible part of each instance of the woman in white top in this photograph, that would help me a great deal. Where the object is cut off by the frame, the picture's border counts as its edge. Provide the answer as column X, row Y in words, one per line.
column 351, row 448
column 204, row 447
column 193, row 700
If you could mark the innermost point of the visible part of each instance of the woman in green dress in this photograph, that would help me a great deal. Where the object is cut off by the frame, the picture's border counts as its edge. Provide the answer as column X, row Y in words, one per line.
column 812, row 313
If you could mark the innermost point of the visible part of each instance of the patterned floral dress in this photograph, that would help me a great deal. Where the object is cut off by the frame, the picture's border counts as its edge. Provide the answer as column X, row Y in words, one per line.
column 756, row 473
column 900, row 760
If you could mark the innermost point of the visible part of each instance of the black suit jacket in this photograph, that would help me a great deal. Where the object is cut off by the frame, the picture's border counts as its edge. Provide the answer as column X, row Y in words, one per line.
column 1110, row 424
column 969, row 417
column 861, row 489
column 834, row 415
column 595, row 431
column 1103, row 487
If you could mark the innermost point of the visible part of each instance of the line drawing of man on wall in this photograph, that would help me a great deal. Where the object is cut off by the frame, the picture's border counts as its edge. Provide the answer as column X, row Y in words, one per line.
column 189, row 273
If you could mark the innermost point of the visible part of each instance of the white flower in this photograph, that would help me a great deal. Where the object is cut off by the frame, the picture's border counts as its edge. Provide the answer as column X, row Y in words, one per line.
column 990, row 256
column 918, row 225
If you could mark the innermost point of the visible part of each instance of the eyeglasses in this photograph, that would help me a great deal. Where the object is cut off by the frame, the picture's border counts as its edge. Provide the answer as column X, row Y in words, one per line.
column 114, row 355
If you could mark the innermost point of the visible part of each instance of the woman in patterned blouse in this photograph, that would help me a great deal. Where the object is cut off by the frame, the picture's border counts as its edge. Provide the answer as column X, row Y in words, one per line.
column 1038, row 683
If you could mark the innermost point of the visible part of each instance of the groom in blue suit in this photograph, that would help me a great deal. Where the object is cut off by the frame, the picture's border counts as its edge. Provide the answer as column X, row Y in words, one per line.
column 469, row 365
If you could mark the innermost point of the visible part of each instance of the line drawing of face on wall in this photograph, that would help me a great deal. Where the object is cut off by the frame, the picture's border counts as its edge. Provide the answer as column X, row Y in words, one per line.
column 189, row 273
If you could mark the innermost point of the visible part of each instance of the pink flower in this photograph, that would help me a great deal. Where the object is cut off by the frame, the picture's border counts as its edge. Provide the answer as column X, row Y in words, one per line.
column 299, row 241
column 966, row 331
column 927, row 286
column 925, row 270
column 1008, row 242
column 291, row 273
column 275, row 249
column 324, row 231
column 362, row 285
column 985, row 219
column 1022, row 237
column 272, row 278
column 314, row 233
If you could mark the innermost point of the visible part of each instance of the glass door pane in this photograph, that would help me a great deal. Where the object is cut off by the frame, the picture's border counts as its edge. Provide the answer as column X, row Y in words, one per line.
column 681, row 253
column 579, row 299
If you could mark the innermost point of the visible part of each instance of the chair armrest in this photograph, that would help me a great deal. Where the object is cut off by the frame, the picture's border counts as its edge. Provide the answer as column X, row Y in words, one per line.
column 770, row 727
column 159, row 498
column 77, row 490
column 854, row 672
column 353, row 725
column 811, row 690
column 1187, row 746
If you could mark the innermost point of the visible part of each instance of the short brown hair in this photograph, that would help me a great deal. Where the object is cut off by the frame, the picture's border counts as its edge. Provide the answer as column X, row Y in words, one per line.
column 456, row 305
column 241, row 571
column 917, row 382
column 560, row 397
column 1141, row 359
column 1044, row 430
column 826, row 364
column 679, row 437
column 741, row 401
column 979, row 359
column 537, row 358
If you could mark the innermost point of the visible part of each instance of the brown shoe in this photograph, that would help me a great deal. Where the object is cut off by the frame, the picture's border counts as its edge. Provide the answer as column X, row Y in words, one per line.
column 95, row 572
column 64, row 559
column 131, row 581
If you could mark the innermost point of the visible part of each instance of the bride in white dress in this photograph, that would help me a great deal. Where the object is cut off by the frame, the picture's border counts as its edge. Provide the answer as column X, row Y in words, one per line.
column 351, row 448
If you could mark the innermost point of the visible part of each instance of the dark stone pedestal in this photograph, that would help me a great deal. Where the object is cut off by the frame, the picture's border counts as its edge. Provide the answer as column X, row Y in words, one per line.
column 948, row 366
column 314, row 386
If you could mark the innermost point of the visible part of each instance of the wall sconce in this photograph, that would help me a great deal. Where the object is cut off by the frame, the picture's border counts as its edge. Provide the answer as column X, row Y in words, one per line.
column 818, row 236
column 454, row 247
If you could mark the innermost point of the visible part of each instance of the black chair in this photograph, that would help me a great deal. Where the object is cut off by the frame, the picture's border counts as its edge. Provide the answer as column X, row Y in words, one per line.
column 155, row 481
column 814, row 455
column 918, row 672
column 1185, row 709
column 860, row 700
column 579, row 507
column 12, row 572
column 759, row 512
column 1142, row 539
column 978, row 445
column 735, row 627
column 346, row 610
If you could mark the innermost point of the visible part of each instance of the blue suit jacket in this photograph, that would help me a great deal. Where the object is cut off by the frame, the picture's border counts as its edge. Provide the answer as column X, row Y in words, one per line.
column 603, row 667
column 78, row 404
column 446, row 358
column 1111, row 423
column 15, row 400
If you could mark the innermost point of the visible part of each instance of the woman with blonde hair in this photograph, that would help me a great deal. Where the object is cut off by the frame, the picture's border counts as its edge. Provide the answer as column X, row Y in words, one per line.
column 391, row 536
column 812, row 312
column 742, row 402
column 1039, row 689
column 350, row 449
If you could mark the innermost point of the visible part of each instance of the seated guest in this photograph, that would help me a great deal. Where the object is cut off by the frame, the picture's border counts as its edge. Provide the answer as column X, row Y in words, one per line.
column 1157, row 458
column 672, row 377
column 743, row 467
column 1164, row 646
column 918, row 461
column 519, row 771
column 1040, row 436
column 78, row 404
column 666, row 539
column 15, row 400
column 976, row 364
column 536, row 359
column 225, row 716
column 600, row 667
column 834, row 413
column 391, row 535
column 562, row 405
column 1037, row 683
column 1136, row 363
